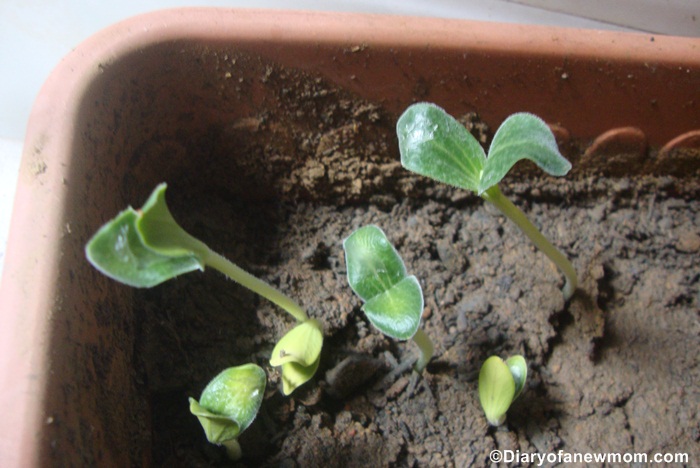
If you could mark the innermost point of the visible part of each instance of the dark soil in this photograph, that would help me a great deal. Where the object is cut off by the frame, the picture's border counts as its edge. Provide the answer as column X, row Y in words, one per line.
column 614, row 370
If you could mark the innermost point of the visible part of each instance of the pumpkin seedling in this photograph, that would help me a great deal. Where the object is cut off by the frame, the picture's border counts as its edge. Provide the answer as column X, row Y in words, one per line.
column 500, row 383
column 143, row 248
column 434, row 144
column 393, row 301
column 299, row 354
column 229, row 404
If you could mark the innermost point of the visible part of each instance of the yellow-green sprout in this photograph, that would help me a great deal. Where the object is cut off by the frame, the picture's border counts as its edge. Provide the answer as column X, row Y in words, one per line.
column 500, row 383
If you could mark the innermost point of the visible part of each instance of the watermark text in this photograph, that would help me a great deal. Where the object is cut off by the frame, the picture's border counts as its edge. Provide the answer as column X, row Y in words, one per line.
column 539, row 459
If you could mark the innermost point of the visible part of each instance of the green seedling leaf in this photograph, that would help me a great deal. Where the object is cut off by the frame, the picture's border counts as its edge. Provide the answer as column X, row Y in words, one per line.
column 161, row 232
column 518, row 368
column 397, row 311
column 433, row 144
column 373, row 264
column 119, row 251
column 299, row 353
column 217, row 428
column 295, row 375
column 522, row 136
column 496, row 389
column 146, row 247
column 393, row 301
column 302, row 344
column 230, row 402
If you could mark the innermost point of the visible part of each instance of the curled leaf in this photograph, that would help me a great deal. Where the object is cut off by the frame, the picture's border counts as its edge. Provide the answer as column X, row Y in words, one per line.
column 295, row 375
column 162, row 233
column 145, row 248
column 230, row 402
column 118, row 251
column 299, row 354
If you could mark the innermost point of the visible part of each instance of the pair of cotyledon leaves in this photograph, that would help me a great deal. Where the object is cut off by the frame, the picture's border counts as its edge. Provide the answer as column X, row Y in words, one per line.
column 500, row 383
column 377, row 274
column 434, row 144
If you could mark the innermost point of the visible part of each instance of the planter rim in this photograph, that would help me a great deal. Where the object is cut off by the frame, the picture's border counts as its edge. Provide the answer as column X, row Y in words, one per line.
column 295, row 26
column 25, row 312
column 292, row 26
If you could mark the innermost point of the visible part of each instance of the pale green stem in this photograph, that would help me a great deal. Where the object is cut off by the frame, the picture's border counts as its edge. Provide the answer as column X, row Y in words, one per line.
column 426, row 349
column 256, row 285
column 233, row 449
column 496, row 197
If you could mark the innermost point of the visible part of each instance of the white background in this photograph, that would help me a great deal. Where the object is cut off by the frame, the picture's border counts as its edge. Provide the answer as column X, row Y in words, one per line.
column 35, row 34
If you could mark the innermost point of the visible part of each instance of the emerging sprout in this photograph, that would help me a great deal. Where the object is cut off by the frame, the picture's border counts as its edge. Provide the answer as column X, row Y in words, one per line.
column 229, row 404
column 434, row 144
column 299, row 353
column 500, row 383
column 143, row 248
column 393, row 300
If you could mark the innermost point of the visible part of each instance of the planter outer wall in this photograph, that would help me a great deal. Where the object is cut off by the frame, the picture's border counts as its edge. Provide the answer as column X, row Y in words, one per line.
column 68, row 385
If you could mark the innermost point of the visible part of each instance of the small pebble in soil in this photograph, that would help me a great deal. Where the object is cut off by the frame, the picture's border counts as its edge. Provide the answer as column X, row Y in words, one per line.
column 396, row 389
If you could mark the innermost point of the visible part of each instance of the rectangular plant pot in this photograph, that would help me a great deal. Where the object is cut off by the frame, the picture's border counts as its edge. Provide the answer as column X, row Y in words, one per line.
column 170, row 95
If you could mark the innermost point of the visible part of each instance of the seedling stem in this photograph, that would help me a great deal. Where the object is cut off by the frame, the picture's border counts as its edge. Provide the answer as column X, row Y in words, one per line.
column 233, row 449
column 426, row 349
column 239, row 275
column 500, row 201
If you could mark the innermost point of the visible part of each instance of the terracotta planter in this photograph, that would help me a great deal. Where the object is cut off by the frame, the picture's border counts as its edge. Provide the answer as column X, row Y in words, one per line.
column 116, row 116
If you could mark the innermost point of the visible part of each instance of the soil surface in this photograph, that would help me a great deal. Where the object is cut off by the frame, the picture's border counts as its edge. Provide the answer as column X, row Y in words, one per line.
column 614, row 370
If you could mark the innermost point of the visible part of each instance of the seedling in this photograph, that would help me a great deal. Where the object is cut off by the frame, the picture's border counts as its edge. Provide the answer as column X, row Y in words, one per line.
column 434, row 144
column 500, row 383
column 143, row 248
column 393, row 300
column 299, row 353
column 229, row 404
